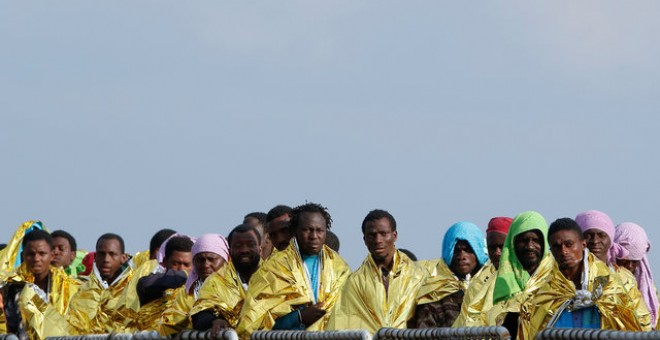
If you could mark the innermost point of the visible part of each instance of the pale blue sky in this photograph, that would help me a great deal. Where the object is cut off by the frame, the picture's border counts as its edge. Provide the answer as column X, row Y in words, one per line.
column 133, row 116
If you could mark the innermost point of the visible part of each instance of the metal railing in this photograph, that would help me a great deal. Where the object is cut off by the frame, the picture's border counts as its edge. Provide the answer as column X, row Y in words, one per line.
column 582, row 333
column 225, row 334
column 144, row 335
column 311, row 335
column 495, row 333
column 8, row 337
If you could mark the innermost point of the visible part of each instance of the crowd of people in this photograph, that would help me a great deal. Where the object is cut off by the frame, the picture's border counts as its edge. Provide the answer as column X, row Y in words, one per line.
column 282, row 271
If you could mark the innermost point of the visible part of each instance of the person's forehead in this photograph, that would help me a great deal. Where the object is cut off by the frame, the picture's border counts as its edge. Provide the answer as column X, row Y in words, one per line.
column 180, row 253
column 109, row 244
column 462, row 243
column 309, row 217
column 60, row 240
column 595, row 231
column 207, row 254
column 564, row 235
column 37, row 244
column 495, row 236
column 281, row 218
column 530, row 233
column 242, row 236
column 381, row 223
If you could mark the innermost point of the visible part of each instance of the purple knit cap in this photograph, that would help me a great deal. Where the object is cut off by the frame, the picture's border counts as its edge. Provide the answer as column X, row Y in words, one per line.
column 594, row 219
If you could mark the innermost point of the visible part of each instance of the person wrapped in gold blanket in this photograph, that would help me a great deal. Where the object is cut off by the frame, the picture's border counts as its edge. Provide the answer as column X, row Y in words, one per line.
column 479, row 295
column 37, row 286
column 578, row 291
column 222, row 294
column 383, row 291
column 441, row 296
column 101, row 304
column 296, row 288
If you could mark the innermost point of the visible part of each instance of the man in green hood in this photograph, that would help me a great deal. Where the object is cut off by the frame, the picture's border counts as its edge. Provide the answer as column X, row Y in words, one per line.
column 524, row 255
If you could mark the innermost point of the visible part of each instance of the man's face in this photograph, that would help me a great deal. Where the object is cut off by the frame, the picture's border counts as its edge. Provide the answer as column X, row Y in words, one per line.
column 529, row 249
column 379, row 239
column 464, row 261
column 38, row 255
column 206, row 263
column 631, row 265
column 266, row 246
column 62, row 253
column 244, row 250
column 567, row 248
column 179, row 260
column 279, row 233
column 109, row 258
column 310, row 233
column 495, row 243
column 598, row 243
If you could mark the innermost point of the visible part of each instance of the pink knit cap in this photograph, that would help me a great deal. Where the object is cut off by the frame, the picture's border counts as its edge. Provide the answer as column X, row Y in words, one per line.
column 594, row 219
column 213, row 243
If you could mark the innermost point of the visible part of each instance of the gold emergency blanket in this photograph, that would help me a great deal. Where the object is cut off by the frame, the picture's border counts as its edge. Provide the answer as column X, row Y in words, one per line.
column 33, row 308
column 9, row 254
column 478, row 298
column 169, row 314
column 281, row 285
column 146, row 268
column 3, row 320
column 222, row 293
column 140, row 258
column 494, row 316
column 552, row 289
column 630, row 284
column 96, row 310
column 440, row 283
column 364, row 303
column 4, row 275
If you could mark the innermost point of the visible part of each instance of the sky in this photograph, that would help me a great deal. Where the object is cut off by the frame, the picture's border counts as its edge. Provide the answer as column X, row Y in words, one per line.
column 129, row 117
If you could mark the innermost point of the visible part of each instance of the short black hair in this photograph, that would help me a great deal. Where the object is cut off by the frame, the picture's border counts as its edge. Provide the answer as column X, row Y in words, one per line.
column 278, row 211
column 332, row 241
column 111, row 236
column 178, row 243
column 3, row 246
column 408, row 253
column 158, row 239
column 309, row 208
column 377, row 214
column 565, row 223
column 242, row 228
column 67, row 236
column 37, row 235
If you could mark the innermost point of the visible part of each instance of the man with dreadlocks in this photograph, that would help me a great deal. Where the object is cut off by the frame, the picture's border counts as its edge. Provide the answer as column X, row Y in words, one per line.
column 297, row 287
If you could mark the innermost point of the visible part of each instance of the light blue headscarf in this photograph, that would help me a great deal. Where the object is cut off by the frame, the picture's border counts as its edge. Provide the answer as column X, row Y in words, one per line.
column 468, row 232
